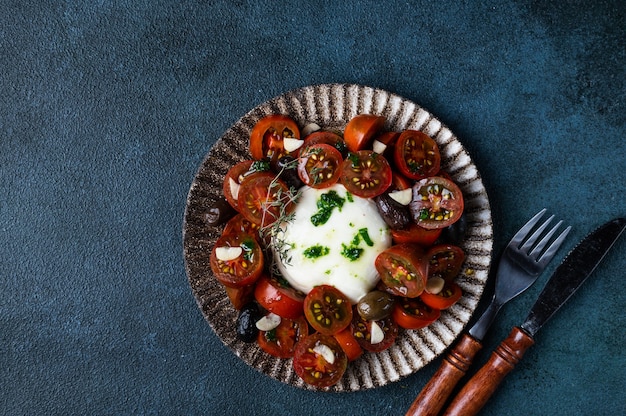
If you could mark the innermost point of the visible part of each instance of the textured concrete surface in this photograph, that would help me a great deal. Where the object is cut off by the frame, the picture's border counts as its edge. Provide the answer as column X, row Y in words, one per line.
column 107, row 109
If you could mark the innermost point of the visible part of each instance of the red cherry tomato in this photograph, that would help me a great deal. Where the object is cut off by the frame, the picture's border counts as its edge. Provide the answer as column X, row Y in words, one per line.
column 361, row 129
column 319, row 360
column 413, row 233
column 240, row 296
column 389, row 139
column 404, row 269
column 445, row 261
column 412, row 313
column 268, row 134
column 281, row 341
column 239, row 224
column 278, row 297
column 416, row 155
column 400, row 182
column 319, row 165
column 263, row 198
column 437, row 202
column 449, row 295
column 366, row 174
column 326, row 137
column 362, row 330
column 327, row 309
column 236, row 174
column 349, row 344
column 243, row 270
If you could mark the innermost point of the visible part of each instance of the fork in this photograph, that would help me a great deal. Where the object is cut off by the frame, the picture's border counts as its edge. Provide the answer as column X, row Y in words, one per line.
column 522, row 261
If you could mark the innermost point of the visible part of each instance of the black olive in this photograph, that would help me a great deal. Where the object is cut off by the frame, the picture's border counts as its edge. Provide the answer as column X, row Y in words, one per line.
column 246, row 322
column 455, row 233
column 287, row 167
column 396, row 215
column 220, row 211
column 375, row 305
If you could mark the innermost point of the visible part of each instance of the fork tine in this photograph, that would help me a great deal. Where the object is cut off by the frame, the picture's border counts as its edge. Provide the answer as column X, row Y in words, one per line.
column 551, row 251
column 544, row 241
column 523, row 232
column 533, row 238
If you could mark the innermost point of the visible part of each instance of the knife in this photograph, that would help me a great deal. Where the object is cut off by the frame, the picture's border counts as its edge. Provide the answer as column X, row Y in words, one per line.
column 567, row 278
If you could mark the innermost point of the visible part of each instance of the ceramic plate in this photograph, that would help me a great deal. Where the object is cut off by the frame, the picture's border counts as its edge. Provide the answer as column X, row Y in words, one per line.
column 332, row 106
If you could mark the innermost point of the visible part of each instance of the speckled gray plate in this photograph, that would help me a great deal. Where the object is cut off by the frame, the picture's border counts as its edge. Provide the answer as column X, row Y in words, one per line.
column 332, row 106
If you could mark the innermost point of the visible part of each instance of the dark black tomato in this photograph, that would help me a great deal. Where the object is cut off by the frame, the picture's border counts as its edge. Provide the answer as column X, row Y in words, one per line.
column 246, row 322
column 219, row 212
column 455, row 233
column 375, row 305
column 287, row 168
column 396, row 215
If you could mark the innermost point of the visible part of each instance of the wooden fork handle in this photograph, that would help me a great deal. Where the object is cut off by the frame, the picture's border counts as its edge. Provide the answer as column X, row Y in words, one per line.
column 435, row 394
column 479, row 388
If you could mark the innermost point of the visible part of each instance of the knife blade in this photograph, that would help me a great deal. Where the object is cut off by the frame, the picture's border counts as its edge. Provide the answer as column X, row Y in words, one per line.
column 578, row 265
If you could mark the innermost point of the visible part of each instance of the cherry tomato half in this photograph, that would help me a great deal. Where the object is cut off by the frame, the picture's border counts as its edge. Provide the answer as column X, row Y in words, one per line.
column 278, row 297
column 319, row 360
column 361, row 129
column 243, row 270
column 362, row 330
column 263, row 198
column 412, row 313
column 404, row 269
column 449, row 295
column 437, row 202
column 233, row 179
column 326, row 137
column 281, row 341
column 416, row 155
column 413, row 233
column 319, row 165
column 445, row 261
column 327, row 309
column 268, row 134
column 239, row 224
column 349, row 344
column 366, row 174
column 240, row 296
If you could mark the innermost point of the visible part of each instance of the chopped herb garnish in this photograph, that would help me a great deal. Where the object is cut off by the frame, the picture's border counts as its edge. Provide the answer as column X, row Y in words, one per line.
column 262, row 165
column 366, row 237
column 316, row 251
column 351, row 252
column 247, row 246
column 325, row 206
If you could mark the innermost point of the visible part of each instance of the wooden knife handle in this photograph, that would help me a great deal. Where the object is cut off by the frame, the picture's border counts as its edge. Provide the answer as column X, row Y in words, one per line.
column 479, row 388
column 435, row 394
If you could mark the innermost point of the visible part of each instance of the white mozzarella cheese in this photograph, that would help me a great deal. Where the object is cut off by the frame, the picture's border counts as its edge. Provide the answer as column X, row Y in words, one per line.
column 339, row 252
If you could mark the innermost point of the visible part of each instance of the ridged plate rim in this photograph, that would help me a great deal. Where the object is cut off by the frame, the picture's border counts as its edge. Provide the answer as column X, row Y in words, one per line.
column 331, row 106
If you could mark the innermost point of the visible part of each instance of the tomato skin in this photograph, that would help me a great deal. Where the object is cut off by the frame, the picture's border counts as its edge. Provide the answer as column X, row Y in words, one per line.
column 412, row 313
column 404, row 269
column 389, row 139
column 449, row 295
column 437, row 202
column 366, row 174
column 240, row 296
column 236, row 173
column 312, row 367
column 319, row 165
column 416, row 155
column 239, row 224
column 261, row 198
column 327, row 309
column 278, row 298
column 326, row 137
column 245, row 269
column 349, row 344
column 281, row 341
column 268, row 134
column 445, row 261
column 361, row 129
column 361, row 329
column 413, row 233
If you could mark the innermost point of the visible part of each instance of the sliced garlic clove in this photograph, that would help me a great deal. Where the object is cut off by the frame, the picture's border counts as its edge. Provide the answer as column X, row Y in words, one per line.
column 292, row 144
column 268, row 322
column 326, row 352
column 378, row 147
column 309, row 128
column 228, row 253
column 234, row 188
column 403, row 196
column 376, row 333
column 434, row 285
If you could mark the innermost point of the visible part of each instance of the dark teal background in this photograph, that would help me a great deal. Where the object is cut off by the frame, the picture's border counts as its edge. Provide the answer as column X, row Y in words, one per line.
column 107, row 109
